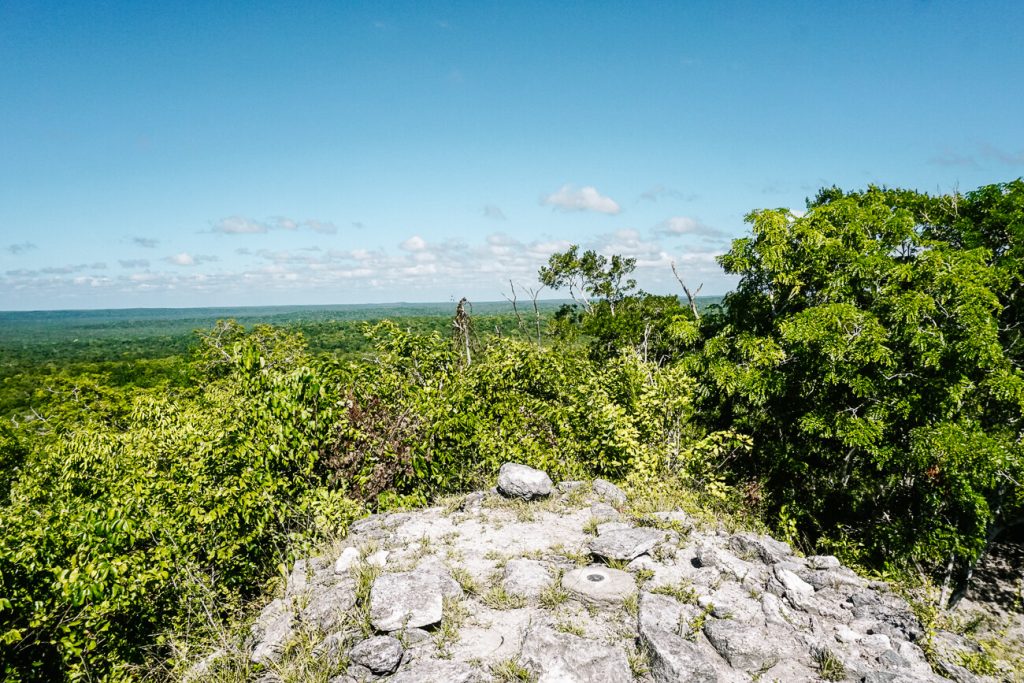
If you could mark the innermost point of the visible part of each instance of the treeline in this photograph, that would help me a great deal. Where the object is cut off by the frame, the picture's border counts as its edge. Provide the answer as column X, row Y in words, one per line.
column 860, row 390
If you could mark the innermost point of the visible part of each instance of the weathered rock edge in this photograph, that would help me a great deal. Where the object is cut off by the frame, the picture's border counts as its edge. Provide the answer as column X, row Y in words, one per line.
column 701, row 605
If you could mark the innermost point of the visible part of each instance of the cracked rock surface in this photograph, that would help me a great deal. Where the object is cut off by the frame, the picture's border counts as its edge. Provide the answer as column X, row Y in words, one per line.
column 543, row 589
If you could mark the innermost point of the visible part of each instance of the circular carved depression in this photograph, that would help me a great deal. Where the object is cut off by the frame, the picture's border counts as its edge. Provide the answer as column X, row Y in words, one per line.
column 595, row 577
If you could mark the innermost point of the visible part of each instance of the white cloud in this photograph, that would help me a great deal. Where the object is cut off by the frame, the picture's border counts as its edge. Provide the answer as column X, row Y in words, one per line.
column 686, row 225
column 414, row 244
column 145, row 242
column 568, row 198
column 134, row 263
column 187, row 259
column 239, row 225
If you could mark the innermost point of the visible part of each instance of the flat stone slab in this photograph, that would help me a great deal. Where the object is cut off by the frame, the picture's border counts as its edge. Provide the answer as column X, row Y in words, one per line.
column 526, row 578
column 405, row 600
column 599, row 584
column 554, row 657
column 520, row 481
column 625, row 544
column 437, row 671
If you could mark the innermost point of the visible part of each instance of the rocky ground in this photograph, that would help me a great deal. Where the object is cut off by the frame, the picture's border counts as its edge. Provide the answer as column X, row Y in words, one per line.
column 543, row 583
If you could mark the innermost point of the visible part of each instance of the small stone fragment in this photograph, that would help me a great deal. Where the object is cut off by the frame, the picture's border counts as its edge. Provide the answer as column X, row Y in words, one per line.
column 378, row 559
column 823, row 562
column 520, row 481
column 625, row 544
column 380, row 654
column 349, row 556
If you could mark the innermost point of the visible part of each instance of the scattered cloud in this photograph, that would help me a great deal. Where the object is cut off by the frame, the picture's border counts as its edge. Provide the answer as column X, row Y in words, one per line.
column 323, row 227
column 415, row 269
column 414, row 243
column 948, row 158
column 568, row 198
column 20, row 248
column 146, row 242
column 187, row 259
column 240, row 225
column 493, row 212
column 983, row 152
column 1002, row 156
column 659, row 191
column 358, row 225
column 686, row 225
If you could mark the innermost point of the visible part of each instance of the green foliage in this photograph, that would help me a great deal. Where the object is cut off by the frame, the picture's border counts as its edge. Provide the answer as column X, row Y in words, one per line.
column 123, row 495
column 869, row 361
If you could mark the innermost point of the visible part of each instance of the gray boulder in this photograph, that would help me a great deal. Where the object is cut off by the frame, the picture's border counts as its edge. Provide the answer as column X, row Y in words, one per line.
column 380, row 654
column 554, row 657
column 520, row 481
column 625, row 544
column 405, row 600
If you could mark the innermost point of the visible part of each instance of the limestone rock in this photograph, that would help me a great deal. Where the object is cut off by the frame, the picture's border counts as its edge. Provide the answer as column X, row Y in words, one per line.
column 272, row 630
column 554, row 657
column 599, row 584
column 520, row 481
column 609, row 492
column 405, row 600
column 766, row 549
column 437, row 671
column 672, row 657
column 327, row 605
column 605, row 527
column 380, row 654
column 346, row 560
column 526, row 578
column 744, row 647
column 625, row 544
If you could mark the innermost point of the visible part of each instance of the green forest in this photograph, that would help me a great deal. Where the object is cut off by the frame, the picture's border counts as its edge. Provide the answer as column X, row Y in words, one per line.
column 859, row 393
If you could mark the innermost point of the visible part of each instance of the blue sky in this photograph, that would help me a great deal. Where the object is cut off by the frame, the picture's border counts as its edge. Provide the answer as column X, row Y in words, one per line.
column 216, row 153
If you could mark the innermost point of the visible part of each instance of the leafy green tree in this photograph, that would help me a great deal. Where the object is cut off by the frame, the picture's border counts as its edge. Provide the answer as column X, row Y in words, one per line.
column 590, row 276
column 867, row 360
